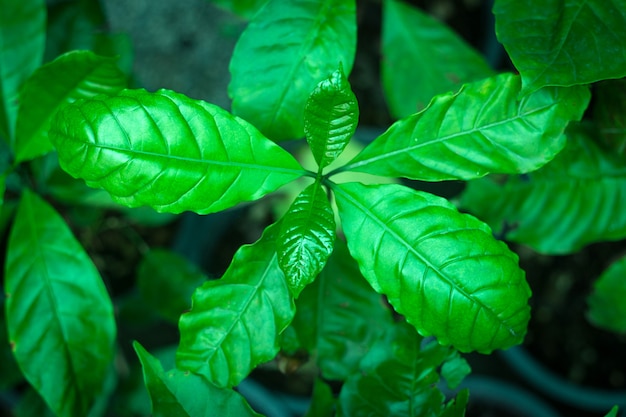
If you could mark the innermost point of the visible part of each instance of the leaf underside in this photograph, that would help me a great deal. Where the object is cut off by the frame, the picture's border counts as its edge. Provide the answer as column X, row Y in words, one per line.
column 442, row 270
column 59, row 314
column 235, row 321
column 563, row 42
column 285, row 51
column 575, row 200
column 482, row 129
column 168, row 151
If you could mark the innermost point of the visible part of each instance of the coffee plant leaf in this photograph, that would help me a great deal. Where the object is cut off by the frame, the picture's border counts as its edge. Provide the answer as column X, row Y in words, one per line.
column 287, row 49
column 563, row 42
column 479, row 130
column 307, row 237
column 441, row 269
column 183, row 394
column 74, row 75
column 59, row 314
column 235, row 321
column 606, row 309
column 168, row 151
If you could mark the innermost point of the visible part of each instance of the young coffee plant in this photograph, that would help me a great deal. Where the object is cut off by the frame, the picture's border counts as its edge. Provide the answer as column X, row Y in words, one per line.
column 308, row 284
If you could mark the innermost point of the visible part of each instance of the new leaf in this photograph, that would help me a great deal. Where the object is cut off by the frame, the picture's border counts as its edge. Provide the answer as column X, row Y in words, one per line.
column 59, row 315
column 281, row 56
column 307, row 238
column 168, row 151
column 441, row 269
column 235, row 321
column 182, row 394
column 482, row 129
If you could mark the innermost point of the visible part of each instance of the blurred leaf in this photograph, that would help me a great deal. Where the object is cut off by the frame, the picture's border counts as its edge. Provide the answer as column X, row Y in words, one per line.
column 322, row 401
column 613, row 412
column 244, row 8
column 339, row 316
column 235, row 321
column 75, row 75
column 575, row 200
column 307, row 238
column 285, row 51
column 11, row 373
column 563, row 42
column 59, row 314
column 166, row 282
column 22, row 42
column 398, row 378
column 331, row 115
column 168, row 151
column 607, row 309
column 481, row 129
column 422, row 58
column 182, row 394
column 609, row 114
column 441, row 269
column 32, row 405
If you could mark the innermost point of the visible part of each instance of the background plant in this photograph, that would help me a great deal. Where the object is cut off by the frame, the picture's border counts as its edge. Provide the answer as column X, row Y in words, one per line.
column 440, row 269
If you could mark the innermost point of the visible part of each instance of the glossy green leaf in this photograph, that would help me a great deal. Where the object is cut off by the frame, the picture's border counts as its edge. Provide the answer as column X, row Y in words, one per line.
column 563, row 42
column 609, row 114
column 339, row 316
column 59, row 315
column 75, row 75
column 441, row 269
column 235, row 321
column 244, row 8
column 606, row 303
column 422, row 58
column 322, row 401
column 330, row 118
column 575, row 200
column 286, row 50
column 307, row 237
column 182, row 394
column 398, row 377
column 168, row 151
column 166, row 282
column 22, row 42
column 481, row 129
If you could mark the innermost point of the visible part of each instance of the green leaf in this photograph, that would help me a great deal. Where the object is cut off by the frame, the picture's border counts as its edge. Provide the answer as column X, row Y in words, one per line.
column 441, row 269
column 609, row 114
column 10, row 374
column 244, row 8
column 613, row 412
column 575, row 200
column 166, row 282
column 182, row 394
column 168, row 151
column 22, row 43
column 606, row 303
column 563, row 42
column 307, row 238
column 235, row 321
column 331, row 115
column 281, row 56
column 75, row 75
column 339, row 316
column 398, row 377
column 481, row 129
column 422, row 58
column 59, row 315
column 322, row 401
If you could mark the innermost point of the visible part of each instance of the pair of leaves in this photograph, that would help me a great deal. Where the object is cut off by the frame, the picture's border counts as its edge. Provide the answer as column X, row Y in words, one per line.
column 442, row 270
column 235, row 321
column 563, row 42
column 182, row 394
column 281, row 56
column 575, row 200
column 59, row 315
column 422, row 58
column 484, row 128
column 22, row 42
